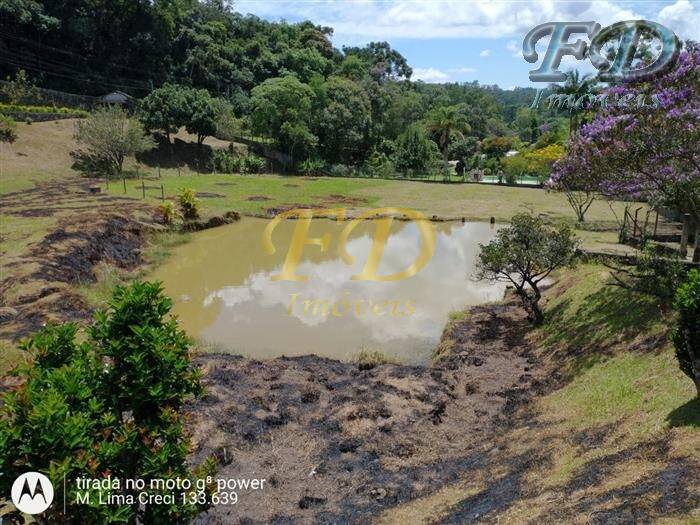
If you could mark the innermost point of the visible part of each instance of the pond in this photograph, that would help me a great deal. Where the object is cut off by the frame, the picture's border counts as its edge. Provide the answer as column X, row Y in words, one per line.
column 225, row 292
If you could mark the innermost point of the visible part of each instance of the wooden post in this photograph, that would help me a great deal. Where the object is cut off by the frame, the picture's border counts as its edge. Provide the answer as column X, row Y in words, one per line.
column 143, row 189
column 656, row 224
column 124, row 183
column 684, row 235
column 696, row 246
column 162, row 193
column 178, row 170
column 159, row 172
column 636, row 214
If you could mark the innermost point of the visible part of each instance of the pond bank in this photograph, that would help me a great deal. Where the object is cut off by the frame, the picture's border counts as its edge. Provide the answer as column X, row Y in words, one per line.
column 337, row 443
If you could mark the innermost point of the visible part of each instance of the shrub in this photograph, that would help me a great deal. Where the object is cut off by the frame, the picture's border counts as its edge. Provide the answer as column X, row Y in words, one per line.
column 8, row 129
column 223, row 161
column 524, row 254
column 310, row 166
column 341, row 170
column 189, row 204
column 109, row 406
column 254, row 164
column 167, row 213
column 378, row 165
column 686, row 336
column 656, row 272
column 109, row 136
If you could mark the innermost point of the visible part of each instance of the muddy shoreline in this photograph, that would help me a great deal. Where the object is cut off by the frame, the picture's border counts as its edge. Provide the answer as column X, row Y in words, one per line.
column 338, row 444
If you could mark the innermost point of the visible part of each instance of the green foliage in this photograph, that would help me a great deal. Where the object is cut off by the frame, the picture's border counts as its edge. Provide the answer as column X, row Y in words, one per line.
column 463, row 149
column 497, row 147
column 524, row 254
column 189, row 204
column 311, row 166
column 414, row 151
column 686, row 336
column 107, row 406
column 344, row 121
column 8, row 129
column 378, row 165
column 223, row 161
column 17, row 90
column 43, row 110
column 281, row 109
column 202, row 114
column 164, row 109
column 167, row 213
column 254, row 164
column 109, row 136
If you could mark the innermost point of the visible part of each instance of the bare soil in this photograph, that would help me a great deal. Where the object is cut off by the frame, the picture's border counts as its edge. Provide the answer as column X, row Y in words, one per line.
column 337, row 443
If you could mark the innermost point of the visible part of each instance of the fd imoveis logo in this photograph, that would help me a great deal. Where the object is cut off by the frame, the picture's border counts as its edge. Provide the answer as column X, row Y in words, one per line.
column 32, row 493
column 628, row 35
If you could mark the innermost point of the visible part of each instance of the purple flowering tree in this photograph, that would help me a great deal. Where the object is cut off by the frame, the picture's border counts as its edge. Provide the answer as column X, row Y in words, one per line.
column 649, row 153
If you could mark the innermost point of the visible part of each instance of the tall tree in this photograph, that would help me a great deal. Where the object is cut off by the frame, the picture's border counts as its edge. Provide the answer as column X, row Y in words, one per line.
column 444, row 124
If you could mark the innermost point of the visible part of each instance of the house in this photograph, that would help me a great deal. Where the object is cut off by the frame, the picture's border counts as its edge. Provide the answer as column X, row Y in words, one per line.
column 117, row 97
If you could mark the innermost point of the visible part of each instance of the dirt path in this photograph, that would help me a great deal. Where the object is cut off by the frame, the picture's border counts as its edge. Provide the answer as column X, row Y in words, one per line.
column 338, row 444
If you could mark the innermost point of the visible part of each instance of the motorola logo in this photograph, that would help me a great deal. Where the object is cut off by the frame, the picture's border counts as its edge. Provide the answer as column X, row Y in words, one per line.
column 32, row 493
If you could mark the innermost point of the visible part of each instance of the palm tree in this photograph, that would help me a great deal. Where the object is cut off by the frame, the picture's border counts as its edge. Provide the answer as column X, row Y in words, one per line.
column 445, row 123
column 575, row 86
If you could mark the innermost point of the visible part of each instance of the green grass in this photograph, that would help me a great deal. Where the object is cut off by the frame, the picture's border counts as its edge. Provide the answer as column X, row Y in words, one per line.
column 367, row 358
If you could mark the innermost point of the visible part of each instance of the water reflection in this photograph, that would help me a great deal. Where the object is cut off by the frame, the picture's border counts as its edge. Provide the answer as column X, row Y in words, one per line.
column 223, row 292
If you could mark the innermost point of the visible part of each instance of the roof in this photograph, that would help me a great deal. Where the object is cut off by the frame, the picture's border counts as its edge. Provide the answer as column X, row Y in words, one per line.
column 116, row 97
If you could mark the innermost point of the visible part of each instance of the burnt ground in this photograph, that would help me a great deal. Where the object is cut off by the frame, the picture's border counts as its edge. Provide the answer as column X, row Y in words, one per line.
column 337, row 444
column 87, row 229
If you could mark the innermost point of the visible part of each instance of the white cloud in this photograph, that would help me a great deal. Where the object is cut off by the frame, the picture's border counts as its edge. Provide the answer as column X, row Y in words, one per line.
column 683, row 18
column 463, row 70
column 387, row 19
column 515, row 48
column 430, row 74
column 485, row 53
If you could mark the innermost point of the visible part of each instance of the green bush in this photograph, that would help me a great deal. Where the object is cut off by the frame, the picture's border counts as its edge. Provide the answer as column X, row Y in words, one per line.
column 167, row 213
column 686, row 336
column 109, row 406
column 8, row 129
column 223, row 161
column 310, row 166
column 189, row 204
column 254, row 164
column 46, row 110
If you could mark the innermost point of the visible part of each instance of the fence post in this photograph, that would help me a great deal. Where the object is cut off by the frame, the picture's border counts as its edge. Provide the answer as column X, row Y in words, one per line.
column 684, row 235
column 696, row 246
column 143, row 189
column 162, row 193
column 124, row 183
column 159, row 172
column 656, row 224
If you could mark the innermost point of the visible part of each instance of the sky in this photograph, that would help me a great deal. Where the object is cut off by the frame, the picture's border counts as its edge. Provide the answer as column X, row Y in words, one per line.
column 463, row 41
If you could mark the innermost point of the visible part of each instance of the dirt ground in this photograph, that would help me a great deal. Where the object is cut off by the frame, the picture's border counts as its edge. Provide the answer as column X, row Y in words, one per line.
column 337, row 444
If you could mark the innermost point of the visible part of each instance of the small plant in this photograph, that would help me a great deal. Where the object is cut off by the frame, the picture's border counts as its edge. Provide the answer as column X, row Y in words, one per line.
column 167, row 213
column 8, row 129
column 367, row 359
column 686, row 336
column 109, row 406
column 189, row 204
column 310, row 166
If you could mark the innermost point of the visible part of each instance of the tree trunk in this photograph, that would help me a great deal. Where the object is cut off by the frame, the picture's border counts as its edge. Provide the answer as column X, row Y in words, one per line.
column 445, row 164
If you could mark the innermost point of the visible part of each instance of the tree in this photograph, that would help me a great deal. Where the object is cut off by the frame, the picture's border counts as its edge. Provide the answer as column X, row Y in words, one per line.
column 165, row 109
column 342, row 125
column 686, row 336
column 202, row 115
column 281, row 109
column 524, row 254
column 579, row 184
column 107, row 406
column 414, row 151
column 382, row 62
column 574, row 87
column 649, row 153
column 445, row 123
column 109, row 136
column 497, row 147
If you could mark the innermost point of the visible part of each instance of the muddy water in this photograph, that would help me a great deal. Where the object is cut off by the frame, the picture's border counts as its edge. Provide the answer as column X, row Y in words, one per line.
column 224, row 292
